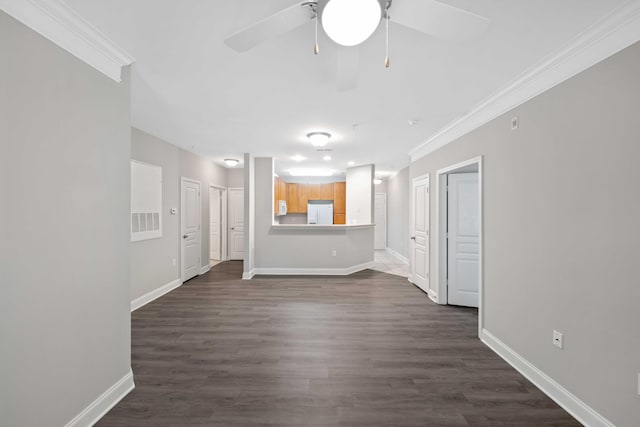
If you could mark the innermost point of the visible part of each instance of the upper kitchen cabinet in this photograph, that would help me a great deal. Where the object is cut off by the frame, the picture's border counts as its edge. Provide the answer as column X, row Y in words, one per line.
column 321, row 191
column 297, row 197
column 339, row 202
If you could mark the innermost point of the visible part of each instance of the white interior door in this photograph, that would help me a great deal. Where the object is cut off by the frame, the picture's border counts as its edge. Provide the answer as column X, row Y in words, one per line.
column 463, row 251
column 420, row 233
column 215, row 224
column 190, row 228
column 380, row 234
column 236, row 223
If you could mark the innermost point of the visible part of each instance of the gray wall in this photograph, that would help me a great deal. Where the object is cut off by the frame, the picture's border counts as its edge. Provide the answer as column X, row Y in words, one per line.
column 235, row 177
column 398, row 190
column 152, row 260
column 561, row 231
column 301, row 248
column 65, row 276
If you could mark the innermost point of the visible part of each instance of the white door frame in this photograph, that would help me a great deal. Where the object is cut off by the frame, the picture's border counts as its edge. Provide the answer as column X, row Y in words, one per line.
column 386, row 220
column 182, row 180
column 223, row 220
column 412, row 232
column 441, row 241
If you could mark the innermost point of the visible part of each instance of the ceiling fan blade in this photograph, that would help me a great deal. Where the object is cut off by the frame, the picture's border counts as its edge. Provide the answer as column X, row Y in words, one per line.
column 438, row 19
column 276, row 24
column 347, row 77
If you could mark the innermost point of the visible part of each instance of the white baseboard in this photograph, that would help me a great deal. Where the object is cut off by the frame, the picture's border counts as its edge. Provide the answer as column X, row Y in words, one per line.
column 345, row 271
column 156, row 293
column 205, row 269
column 563, row 397
column 99, row 407
column 433, row 296
column 402, row 258
column 249, row 274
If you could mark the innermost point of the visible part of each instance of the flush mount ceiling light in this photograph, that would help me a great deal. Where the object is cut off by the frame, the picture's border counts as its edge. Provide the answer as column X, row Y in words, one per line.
column 319, row 139
column 310, row 172
column 297, row 158
column 326, row 158
column 377, row 180
column 350, row 22
column 351, row 163
column 231, row 162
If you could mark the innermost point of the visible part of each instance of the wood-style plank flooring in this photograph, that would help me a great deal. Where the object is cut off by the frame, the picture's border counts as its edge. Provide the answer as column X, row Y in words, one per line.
column 369, row 349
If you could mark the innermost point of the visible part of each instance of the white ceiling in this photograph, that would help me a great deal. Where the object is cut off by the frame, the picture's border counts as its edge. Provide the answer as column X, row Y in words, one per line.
column 190, row 89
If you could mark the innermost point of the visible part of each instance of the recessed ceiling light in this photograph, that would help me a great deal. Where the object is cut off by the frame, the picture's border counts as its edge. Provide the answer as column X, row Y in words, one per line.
column 231, row 162
column 297, row 158
column 377, row 180
column 351, row 163
column 350, row 22
column 327, row 158
column 319, row 139
column 310, row 172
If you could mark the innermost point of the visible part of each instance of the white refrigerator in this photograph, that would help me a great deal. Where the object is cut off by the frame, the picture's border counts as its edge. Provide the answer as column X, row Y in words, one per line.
column 320, row 213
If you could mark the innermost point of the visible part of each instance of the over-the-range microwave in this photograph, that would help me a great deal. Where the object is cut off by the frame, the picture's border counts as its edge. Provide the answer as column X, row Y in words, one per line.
column 282, row 207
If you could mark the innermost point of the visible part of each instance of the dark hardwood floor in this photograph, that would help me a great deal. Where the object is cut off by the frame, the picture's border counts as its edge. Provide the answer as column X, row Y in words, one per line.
column 369, row 349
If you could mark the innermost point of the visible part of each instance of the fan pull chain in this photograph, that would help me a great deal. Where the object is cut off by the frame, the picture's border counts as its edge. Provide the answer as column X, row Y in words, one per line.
column 386, row 59
column 316, row 49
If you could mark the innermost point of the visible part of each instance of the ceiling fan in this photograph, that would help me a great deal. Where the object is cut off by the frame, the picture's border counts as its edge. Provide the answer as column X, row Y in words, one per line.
column 351, row 22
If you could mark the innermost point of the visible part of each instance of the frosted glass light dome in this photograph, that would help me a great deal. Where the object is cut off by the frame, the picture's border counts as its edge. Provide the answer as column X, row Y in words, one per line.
column 350, row 22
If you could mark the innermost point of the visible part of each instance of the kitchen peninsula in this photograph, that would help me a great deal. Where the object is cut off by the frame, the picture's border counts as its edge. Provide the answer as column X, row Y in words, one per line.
column 332, row 249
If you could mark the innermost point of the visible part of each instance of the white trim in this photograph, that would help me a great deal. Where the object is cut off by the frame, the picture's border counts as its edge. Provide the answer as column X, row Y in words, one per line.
column 345, row 271
column 205, row 268
column 155, row 294
column 614, row 32
column 402, row 258
column 563, row 397
column 107, row 400
column 249, row 275
column 59, row 23
column 441, row 243
column 223, row 220
column 432, row 295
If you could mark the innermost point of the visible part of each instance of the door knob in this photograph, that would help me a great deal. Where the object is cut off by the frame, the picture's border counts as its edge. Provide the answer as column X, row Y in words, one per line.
column 185, row 236
column 413, row 237
column 233, row 228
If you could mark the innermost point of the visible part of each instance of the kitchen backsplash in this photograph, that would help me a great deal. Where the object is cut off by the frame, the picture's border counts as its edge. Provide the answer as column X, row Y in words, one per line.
column 293, row 219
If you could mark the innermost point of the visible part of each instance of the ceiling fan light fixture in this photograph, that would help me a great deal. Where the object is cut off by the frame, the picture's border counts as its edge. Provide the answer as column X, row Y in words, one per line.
column 319, row 139
column 231, row 162
column 377, row 180
column 350, row 22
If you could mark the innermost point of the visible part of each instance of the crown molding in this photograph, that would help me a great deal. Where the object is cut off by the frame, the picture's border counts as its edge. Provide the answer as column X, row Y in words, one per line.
column 56, row 21
column 611, row 34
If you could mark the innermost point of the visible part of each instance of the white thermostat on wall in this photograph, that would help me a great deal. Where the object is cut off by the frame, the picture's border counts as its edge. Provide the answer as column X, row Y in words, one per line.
column 173, row 211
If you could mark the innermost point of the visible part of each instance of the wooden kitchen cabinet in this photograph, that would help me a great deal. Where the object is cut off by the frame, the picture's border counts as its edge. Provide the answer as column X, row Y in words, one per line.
column 339, row 202
column 327, row 191
column 276, row 194
column 297, row 198
column 314, row 191
column 283, row 190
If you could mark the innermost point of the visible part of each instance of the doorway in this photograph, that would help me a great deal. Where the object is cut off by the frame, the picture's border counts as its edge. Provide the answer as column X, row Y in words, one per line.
column 217, row 225
column 459, row 243
column 236, row 223
column 190, row 216
column 380, row 218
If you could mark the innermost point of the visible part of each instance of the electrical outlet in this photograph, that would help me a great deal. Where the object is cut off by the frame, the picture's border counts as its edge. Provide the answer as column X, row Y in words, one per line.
column 639, row 384
column 334, row 253
column 557, row 339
